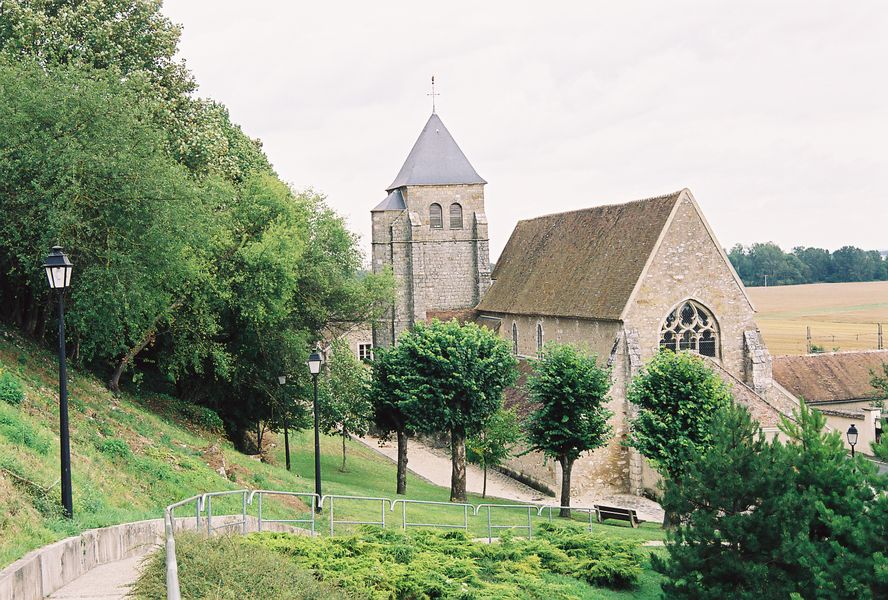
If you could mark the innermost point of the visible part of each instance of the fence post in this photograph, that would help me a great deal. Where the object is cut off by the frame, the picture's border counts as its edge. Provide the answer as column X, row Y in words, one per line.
column 881, row 344
column 209, row 515
column 383, row 513
column 331, row 516
column 260, row 512
column 489, row 536
column 244, row 513
column 404, row 515
column 529, row 525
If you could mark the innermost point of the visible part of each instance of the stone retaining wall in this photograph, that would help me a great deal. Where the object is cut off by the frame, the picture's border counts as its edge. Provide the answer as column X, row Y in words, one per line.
column 45, row 570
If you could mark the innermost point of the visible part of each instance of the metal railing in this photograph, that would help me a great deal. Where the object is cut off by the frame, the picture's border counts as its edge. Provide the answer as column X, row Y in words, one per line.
column 203, row 504
column 315, row 499
column 405, row 524
column 530, row 508
column 207, row 504
column 383, row 502
column 592, row 510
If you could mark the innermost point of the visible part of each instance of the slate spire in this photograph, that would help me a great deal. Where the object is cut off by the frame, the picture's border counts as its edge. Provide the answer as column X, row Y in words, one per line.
column 435, row 160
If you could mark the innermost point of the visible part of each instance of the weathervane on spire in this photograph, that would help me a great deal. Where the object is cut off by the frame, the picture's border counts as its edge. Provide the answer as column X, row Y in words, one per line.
column 433, row 94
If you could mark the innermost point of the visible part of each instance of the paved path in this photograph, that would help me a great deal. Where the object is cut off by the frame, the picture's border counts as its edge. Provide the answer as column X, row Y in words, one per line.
column 110, row 581
column 433, row 465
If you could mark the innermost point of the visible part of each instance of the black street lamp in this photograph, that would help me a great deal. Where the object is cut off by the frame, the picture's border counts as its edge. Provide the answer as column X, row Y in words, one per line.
column 852, row 438
column 282, row 380
column 314, row 367
column 58, row 274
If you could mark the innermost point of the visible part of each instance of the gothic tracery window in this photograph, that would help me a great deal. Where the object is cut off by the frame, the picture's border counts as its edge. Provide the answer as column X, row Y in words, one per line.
column 690, row 327
column 436, row 217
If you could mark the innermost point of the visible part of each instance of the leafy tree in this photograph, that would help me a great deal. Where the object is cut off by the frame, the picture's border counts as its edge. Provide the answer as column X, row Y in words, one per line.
column 450, row 378
column 571, row 390
column 677, row 396
column 346, row 408
column 493, row 445
column 387, row 398
column 769, row 520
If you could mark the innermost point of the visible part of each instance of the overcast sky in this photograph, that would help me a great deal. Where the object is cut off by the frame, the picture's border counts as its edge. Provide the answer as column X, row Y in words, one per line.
column 774, row 114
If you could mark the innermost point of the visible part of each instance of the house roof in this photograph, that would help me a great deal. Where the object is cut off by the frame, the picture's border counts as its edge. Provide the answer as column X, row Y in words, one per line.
column 830, row 377
column 435, row 160
column 583, row 263
column 394, row 201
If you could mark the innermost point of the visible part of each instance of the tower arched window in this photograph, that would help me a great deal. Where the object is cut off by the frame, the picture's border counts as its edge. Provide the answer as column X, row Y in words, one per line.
column 436, row 217
column 691, row 326
column 456, row 220
column 539, row 339
column 514, row 338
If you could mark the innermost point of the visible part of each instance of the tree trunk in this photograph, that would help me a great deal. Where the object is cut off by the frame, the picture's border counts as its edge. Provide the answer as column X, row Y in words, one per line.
column 458, row 464
column 258, row 436
column 484, row 487
column 114, row 384
column 566, row 466
column 402, row 462
column 344, row 436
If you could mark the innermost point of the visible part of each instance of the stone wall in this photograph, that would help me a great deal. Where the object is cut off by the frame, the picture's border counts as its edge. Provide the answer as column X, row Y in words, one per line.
column 690, row 265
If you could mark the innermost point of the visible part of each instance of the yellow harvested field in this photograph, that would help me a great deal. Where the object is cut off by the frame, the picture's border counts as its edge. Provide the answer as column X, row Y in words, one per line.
column 840, row 315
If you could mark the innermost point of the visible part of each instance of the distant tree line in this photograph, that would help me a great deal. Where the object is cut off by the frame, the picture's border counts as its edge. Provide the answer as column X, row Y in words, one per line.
column 198, row 272
column 768, row 264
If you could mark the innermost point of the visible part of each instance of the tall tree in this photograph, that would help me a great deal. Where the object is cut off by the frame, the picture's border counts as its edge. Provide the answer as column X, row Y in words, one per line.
column 346, row 407
column 493, row 445
column 677, row 396
column 452, row 377
column 572, row 418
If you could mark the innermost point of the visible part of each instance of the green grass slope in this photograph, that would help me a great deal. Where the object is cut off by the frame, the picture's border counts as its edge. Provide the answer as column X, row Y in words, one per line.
column 133, row 455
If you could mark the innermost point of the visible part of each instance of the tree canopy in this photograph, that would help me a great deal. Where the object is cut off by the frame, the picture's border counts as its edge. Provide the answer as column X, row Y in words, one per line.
column 768, row 264
column 677, row 396
column 450, row 377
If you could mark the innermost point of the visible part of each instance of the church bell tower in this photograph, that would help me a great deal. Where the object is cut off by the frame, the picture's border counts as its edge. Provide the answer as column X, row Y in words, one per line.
column 431, row 230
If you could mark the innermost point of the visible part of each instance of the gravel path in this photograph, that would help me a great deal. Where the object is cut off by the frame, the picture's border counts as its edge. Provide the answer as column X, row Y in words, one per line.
column 433, row 465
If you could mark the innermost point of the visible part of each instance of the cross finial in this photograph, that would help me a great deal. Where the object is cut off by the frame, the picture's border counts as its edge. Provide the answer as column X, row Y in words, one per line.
column 433, row 94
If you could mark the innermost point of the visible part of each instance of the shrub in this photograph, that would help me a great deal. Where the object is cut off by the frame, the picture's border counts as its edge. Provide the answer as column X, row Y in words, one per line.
column 430, row 564
column 216, row 568
column 11, row 389
column 115, row 448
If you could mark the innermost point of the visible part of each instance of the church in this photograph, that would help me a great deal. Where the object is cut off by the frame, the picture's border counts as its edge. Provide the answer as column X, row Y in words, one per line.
column 621, row 280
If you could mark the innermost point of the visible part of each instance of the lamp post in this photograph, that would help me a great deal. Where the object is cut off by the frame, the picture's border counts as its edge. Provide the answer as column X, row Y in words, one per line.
column 282, row 380
column 852, row 438
column 314, row 367
column 58, row 274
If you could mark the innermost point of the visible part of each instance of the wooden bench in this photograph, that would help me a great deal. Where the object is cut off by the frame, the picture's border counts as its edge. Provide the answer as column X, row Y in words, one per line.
column 619, row 514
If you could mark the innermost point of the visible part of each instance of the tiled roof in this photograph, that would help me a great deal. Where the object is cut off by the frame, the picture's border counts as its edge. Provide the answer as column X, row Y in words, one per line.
column 435, row 160
column 394, row 201
column 583, row 263
column 832, row 376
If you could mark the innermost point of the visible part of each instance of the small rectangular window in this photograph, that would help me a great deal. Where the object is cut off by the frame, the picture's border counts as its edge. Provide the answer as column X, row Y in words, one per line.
column 365, row 352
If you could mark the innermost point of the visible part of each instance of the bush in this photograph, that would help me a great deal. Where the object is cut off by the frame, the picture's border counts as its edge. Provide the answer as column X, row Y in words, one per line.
column 216, row 568
column 11, row 389
column 115, row 448
column 387, row 564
